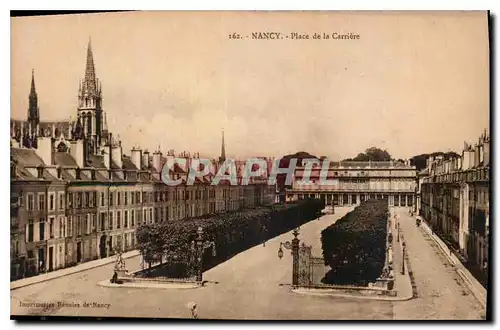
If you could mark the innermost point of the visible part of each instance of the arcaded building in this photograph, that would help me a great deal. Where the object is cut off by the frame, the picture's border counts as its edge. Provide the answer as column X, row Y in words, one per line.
column 351, row 182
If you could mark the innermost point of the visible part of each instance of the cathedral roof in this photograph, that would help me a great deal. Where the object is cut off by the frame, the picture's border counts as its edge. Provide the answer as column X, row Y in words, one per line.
column 64, row 159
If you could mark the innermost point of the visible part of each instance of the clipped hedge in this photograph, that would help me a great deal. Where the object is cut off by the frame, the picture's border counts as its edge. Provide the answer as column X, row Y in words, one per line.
column 354, row 246
column 232, row 232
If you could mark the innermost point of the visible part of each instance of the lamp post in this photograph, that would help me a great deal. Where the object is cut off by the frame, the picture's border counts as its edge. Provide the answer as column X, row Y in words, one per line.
column 294, row 246
column 403, row 259
column 398, row 231
column 200, row 245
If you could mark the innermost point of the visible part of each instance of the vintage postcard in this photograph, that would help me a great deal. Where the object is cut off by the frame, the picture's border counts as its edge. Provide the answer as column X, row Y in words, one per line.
column 250, row 165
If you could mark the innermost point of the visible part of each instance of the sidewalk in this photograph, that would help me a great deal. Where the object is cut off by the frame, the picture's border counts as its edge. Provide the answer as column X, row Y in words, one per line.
column 477, row 289
column 403, row 282
column 68, row 271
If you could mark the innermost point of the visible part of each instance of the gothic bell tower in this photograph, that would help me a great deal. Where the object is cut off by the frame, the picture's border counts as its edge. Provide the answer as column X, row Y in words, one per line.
column 90, row 113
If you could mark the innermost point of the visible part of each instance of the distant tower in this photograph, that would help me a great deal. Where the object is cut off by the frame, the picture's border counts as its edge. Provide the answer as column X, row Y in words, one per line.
column 33, row 110
column 90, row 113
column 223, row 149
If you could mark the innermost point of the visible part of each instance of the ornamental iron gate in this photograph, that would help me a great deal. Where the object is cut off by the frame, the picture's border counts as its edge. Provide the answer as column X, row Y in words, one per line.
column 307, row 269
column 311, row 270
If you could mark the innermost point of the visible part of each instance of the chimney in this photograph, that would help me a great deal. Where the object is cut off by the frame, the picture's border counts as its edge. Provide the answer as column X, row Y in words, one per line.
column 106, row 158
column 45, row 150
column 486, row 152
column 136, row 157
column 77, row 151
column 157, row 160
column 145, row 158
column 109, row 155
column 116, row 155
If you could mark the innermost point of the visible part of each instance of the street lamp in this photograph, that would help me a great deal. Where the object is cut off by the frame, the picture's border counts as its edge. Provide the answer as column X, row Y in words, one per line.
column 294, row 246
column 198, row 246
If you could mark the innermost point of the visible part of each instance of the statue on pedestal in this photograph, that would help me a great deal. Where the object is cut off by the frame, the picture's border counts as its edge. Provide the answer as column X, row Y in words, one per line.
column 119, row 269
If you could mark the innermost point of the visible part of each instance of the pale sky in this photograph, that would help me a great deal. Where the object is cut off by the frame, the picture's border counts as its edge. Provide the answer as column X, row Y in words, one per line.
column 413, row 82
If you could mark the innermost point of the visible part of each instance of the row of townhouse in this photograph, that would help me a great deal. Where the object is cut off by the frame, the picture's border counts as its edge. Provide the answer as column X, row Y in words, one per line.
column 68, row 208
column 454, row 198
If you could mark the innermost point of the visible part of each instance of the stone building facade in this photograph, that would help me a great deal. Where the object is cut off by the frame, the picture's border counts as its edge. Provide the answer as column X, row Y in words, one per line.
column 454, row 198
column 76, row 197
column 351, row 182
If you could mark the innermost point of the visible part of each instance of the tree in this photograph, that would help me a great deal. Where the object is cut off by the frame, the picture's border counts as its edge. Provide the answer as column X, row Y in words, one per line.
column 420, row 161
column 373, row 153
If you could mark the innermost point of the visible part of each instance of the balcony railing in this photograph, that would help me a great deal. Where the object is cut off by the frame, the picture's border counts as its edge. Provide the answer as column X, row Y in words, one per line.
column 318, row 188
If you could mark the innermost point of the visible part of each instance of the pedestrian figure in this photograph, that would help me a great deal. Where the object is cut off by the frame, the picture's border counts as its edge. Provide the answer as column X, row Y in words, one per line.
column 264, row 235
column 193, row 308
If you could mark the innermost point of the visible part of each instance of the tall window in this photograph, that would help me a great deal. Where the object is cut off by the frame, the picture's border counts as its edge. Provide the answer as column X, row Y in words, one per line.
column 70, row 226
column 110, row 199
column 87, row 199
column 78, row 226
column 52, row 205
column 102, row 217
column 118, row 218
column 118, row 198
column 30, row 229
column 125, row 220
column 61, row 227
column 51, row 227
column 125, row 197
column 31, row 202
column 111, row 219
column 78, row 200
column 41, row 229
column 41, row 201
column 61, row 201
column 132, row 195
column 102, row 198
column 132, row 218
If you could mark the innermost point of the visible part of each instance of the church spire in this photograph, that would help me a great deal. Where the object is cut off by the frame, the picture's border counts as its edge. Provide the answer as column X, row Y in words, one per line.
column 90, row 79
column 33, row 111
column 33, row 89
column 223, row 149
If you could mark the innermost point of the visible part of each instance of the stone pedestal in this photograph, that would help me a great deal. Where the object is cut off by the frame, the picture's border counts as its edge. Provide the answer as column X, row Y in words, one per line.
column 121, row 272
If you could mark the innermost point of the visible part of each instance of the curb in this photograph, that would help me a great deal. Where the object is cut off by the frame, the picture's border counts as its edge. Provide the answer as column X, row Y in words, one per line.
column 466, row 278
column 13, row 285
column 171, row 286
column 339, row 295
column 409, row 269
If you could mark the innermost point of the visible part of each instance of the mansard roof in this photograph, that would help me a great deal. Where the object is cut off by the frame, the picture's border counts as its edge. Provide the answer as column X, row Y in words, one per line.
column 26, row 157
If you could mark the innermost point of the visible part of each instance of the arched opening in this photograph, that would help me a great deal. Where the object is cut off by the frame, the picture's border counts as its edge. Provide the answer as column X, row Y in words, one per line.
column 61, row 147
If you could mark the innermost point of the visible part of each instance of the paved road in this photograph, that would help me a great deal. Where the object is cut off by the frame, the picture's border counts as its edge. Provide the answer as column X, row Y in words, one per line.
column 249, row 287
column 442, row 294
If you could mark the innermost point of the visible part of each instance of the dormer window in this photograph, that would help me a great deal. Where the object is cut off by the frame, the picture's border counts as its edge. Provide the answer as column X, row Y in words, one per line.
column 77, row 174
column 124, row 175
column 59, row 172
column 92, row 174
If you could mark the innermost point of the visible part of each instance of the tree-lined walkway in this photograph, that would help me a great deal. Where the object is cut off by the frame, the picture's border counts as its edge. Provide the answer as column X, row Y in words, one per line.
column 248, row 288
